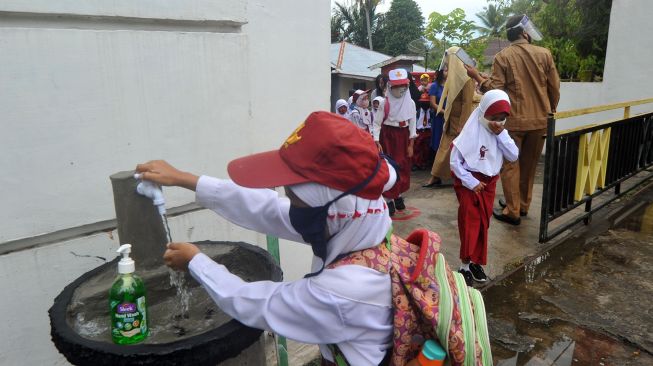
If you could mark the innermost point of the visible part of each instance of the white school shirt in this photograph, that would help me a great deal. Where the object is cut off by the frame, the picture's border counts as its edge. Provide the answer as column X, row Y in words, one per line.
column 350, row 306
column 378, row 120
column 460, row 168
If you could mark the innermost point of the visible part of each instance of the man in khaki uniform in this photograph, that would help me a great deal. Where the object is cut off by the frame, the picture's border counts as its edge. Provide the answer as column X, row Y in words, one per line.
column 529, row 76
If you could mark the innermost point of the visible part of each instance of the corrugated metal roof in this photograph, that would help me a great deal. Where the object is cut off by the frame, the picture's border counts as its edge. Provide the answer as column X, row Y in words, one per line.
column 397, row 58
column 356, row 60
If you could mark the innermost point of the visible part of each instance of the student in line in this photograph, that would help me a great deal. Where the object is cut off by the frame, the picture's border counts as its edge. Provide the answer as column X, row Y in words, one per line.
column 477, row 155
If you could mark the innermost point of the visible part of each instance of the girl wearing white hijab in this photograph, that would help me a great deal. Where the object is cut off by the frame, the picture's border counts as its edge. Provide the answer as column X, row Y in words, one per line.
column 376, row 102
column 333, row 177
column 359, row 114
column 476, row 159
column 342, row 108
column 394, row 132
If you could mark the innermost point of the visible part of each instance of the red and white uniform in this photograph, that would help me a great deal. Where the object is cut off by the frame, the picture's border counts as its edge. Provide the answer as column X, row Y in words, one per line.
column 477, row 155
column 395, row 130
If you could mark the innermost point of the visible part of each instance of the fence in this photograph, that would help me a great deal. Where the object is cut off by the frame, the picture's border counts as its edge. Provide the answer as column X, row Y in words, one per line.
column 584, row 163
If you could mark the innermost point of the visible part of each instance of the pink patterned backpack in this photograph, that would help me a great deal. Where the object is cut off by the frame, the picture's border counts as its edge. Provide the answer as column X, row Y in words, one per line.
column 429, row 300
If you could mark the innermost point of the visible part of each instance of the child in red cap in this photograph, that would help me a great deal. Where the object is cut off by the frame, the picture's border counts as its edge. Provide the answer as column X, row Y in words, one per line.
column 334, row 178
column 477, row 155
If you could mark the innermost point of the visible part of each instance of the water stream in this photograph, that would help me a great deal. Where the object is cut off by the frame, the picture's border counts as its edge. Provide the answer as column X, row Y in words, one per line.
column 177, row 278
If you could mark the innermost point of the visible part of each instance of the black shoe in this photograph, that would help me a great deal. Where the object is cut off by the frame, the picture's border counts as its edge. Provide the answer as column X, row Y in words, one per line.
column 502, row 203
column 469, row 280
column 437, row 184
column 498, row 214
column 399, row 204
column 391, row 207
column 477, row 272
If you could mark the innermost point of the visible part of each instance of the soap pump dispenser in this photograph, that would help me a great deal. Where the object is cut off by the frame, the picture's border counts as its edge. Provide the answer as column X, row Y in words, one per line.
column 127, row 302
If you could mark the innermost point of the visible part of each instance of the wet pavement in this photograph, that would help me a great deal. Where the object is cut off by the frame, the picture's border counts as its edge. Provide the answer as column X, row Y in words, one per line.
column 586, row 302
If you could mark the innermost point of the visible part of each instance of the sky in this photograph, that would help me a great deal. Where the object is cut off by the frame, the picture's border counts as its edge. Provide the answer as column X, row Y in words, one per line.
column 471, row 7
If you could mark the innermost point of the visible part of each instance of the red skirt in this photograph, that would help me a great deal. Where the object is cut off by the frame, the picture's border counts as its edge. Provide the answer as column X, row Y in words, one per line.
column 394, row 141
column 474, row 215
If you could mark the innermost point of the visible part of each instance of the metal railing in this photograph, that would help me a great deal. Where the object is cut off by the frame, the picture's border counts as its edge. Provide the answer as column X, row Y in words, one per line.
column 586, row 162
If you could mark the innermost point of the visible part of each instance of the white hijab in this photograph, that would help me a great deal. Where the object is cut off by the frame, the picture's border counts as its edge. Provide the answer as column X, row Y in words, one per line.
column 401, row 109
column 340, row 103
column 476, row 137
column 354, row 223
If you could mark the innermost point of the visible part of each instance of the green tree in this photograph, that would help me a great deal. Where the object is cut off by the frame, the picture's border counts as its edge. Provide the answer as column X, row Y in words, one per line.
column 512, row 7
column 401, row 24
column 367, row 6
column 450, row 28
column 592, row 34
column 576, row 31
column 453, row 29
column 492, row 21
column 349, row 23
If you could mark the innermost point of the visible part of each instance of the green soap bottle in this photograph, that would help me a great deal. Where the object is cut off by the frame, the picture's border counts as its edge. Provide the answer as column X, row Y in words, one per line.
column 127, row 302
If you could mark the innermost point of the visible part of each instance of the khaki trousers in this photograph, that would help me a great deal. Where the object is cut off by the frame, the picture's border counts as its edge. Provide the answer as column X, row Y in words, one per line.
column 517, row 177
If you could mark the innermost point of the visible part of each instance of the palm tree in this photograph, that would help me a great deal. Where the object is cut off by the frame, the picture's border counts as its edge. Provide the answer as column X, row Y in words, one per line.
column 367, row 5
column 349, row 23
column 492, row 20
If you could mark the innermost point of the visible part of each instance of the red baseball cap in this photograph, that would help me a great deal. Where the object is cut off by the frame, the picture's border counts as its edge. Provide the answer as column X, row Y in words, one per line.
column 325, row 149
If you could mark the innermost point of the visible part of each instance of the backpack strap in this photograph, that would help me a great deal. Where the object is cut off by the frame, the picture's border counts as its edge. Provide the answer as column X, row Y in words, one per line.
column 338, row 358
column 386, row 110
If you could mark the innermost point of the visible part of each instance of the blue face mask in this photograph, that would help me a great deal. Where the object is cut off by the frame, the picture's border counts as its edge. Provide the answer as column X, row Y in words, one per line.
column 311, row 222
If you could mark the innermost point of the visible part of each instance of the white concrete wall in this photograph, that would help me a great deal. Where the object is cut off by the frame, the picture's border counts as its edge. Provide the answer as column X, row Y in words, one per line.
column 91, row 88
column 627, row 74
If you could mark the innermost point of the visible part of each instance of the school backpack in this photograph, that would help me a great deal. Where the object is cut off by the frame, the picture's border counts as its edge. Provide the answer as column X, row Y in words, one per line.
column 429, row 301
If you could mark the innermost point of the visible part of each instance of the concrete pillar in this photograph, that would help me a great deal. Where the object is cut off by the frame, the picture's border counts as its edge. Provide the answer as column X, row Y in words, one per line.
column 138, row 220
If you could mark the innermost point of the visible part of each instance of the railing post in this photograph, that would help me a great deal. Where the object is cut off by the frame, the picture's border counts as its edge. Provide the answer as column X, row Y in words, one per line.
column 588, row 209
column 627, row 112
column 546, row 187
column 282, row 347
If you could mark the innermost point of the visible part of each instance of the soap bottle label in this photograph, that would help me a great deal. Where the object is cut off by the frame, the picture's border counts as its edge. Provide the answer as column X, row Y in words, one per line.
column 128, row 319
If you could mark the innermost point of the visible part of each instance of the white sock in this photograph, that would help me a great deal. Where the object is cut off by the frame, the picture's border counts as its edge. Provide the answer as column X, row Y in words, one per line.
column 465, row 266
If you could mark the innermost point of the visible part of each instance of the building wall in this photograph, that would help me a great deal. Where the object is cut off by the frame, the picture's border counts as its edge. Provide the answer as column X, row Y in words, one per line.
column 92, row 88
column 343, row 86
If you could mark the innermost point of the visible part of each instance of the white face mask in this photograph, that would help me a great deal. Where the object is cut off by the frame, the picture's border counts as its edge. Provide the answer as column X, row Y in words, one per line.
column 398, row 92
